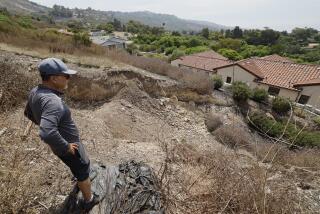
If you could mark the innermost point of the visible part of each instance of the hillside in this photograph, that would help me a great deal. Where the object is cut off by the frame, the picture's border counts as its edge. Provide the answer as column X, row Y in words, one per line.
column 94, row 16
column 23, row 6
column 171, row 22
column 125, row 113
column 202, row 146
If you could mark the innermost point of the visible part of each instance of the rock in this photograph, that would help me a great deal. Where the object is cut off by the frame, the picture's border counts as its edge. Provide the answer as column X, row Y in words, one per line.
column 274, row 177
column 125, row 104
column 174, row 99
column 2, row 131
column 304, row 186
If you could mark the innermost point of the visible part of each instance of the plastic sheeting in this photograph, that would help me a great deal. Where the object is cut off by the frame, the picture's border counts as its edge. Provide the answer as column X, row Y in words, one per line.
column 130, row 187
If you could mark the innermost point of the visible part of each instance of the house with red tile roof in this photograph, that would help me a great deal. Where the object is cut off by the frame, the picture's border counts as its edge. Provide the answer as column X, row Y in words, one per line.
column 204, row 61
column 278, row 75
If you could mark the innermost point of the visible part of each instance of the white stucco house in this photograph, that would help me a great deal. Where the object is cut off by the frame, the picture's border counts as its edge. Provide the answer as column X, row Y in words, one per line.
column 279, row 76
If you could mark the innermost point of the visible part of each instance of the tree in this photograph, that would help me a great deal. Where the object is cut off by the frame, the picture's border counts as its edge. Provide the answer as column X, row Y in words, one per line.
column 237, row 32
column 252, row 50
column 216, row 36
column 269, row 36
column 117, row 25
column 317, row 37
column 230, row 54
column 205, row 33
column 107, row 27
column 234, row 44
column 157, row 30
column 252, row 37
column 60, row 11
column 300, row 34
column 197, row 49
column 175, row 33
column 278, row 49
column 228, row 33
column 193, row 42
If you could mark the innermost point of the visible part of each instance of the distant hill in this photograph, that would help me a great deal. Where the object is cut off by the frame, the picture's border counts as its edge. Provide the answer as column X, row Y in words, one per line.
column 170, row 22
column 23, row 6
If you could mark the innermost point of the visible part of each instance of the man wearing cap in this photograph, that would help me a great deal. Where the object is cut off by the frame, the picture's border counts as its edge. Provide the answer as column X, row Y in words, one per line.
column 46, row 108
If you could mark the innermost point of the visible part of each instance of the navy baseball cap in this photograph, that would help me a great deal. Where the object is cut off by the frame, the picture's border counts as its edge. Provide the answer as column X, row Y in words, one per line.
column 53, row 66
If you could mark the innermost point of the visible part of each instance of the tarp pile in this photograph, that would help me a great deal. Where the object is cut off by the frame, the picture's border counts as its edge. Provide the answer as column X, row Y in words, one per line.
column 130, row 187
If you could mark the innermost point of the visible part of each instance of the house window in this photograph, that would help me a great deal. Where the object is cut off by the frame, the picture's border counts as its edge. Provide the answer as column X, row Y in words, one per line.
column 228, row 80
column 273, row 91
column 303, row 99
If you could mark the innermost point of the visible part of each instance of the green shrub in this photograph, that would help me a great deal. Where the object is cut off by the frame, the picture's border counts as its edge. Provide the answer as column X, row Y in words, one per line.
column 217, row 81
column 240, row 91
column 131, row 48
column 25, row 22
column 176, row 54
column 197, row 49
column 230, row 54
column 6, row 24
column 169, row 50
column 291, row 132
column 82, row 39
column 281, row 105
column 259, row 95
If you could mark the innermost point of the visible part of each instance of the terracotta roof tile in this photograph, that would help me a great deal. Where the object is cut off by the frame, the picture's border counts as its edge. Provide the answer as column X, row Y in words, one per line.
column 210, row 54
column 250, row 66
column 208, row 60
column 277, row 58
column 308, row 82
column 285, row 75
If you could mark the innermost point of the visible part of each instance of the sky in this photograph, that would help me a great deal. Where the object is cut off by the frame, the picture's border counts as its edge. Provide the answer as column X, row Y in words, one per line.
column 276, row 14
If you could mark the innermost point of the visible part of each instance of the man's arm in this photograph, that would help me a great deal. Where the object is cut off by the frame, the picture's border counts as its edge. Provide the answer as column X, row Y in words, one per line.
column 49, row 133
column 28, row 113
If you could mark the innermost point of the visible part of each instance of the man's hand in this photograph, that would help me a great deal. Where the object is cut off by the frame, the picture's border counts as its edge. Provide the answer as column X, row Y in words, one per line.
column 72, row 148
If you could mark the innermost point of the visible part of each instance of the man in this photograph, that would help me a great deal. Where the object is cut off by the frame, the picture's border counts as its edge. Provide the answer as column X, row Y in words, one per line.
column 46, row 108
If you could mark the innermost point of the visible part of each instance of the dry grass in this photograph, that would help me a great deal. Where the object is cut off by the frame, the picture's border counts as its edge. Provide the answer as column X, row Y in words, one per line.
column 198, row 81
column 49, row 40
column 30, row 179
column 299, row 112
column 186, row 95
column 194, row 181
column 15, row 84
column 233, row 137
column 276, row 154
column 213, row 121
